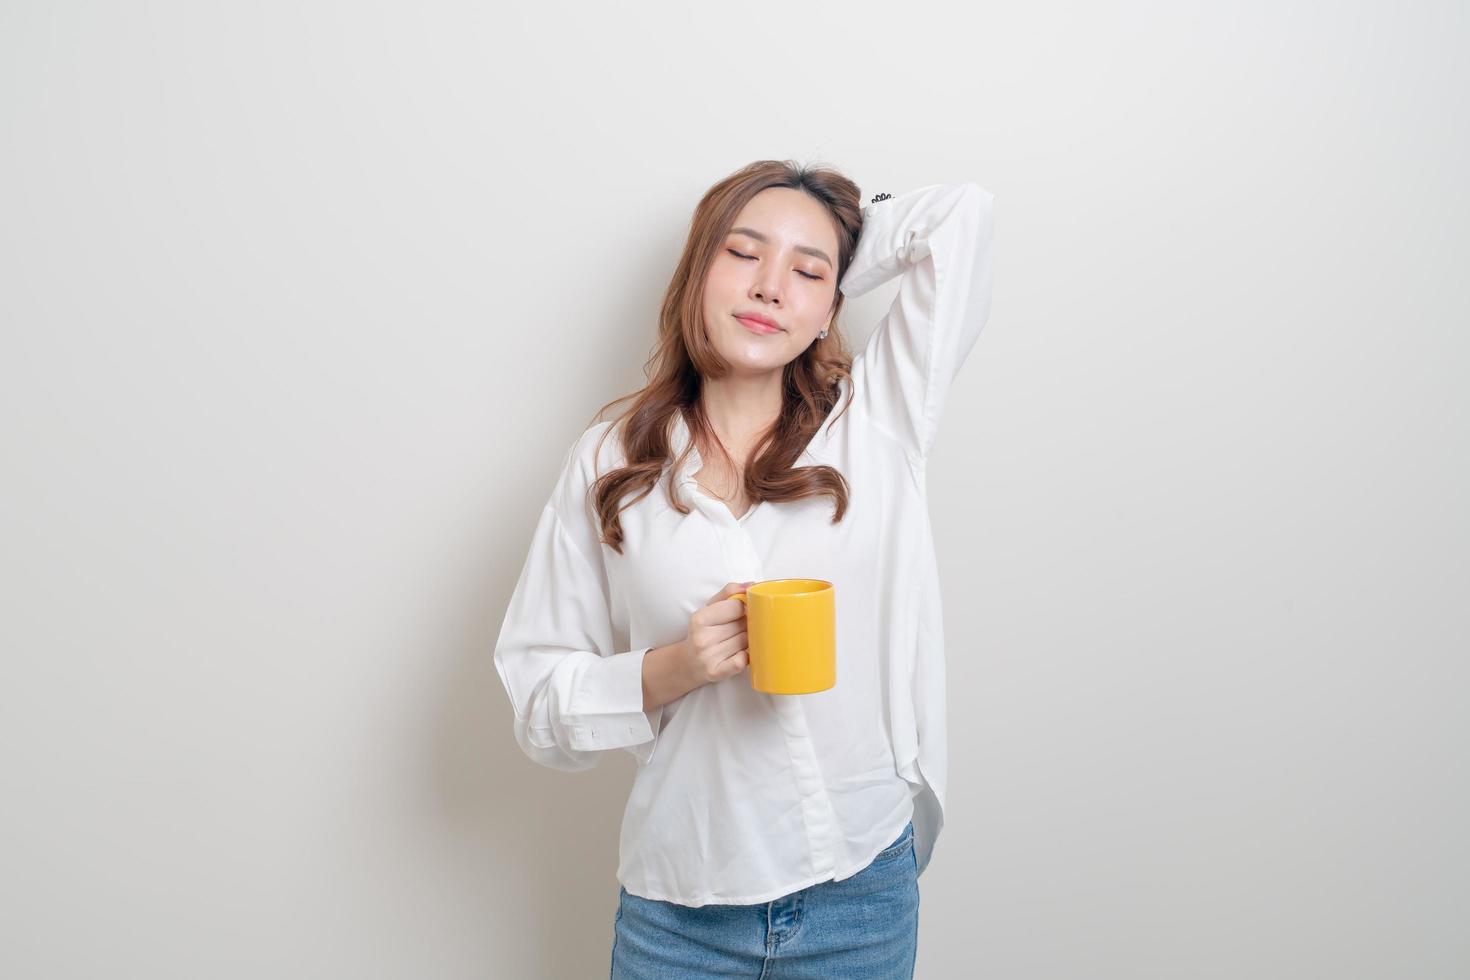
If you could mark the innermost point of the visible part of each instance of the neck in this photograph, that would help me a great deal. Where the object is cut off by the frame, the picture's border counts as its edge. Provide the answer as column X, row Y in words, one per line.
column 741, row 407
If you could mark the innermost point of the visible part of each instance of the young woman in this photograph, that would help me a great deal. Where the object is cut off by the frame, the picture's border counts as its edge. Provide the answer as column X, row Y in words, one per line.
column 763, row 829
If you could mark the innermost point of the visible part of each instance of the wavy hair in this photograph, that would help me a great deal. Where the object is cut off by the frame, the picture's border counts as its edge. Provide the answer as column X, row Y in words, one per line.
column 683, row 356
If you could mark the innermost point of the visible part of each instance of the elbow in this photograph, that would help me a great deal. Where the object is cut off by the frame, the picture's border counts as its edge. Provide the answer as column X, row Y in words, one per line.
column 978, row 199
column 973, row 190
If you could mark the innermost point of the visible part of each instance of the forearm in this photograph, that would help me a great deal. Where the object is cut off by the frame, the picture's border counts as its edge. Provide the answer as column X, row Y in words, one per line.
column 940, row 239
column 663, row 680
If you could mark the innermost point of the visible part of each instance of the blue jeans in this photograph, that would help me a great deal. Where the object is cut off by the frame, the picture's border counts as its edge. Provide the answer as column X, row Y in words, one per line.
column 865, row 927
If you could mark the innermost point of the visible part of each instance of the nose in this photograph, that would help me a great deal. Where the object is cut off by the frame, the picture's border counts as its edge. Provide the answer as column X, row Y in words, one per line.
column 765, row 289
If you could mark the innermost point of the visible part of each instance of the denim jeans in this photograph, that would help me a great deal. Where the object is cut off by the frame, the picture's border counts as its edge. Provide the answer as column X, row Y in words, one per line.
column 865, row 927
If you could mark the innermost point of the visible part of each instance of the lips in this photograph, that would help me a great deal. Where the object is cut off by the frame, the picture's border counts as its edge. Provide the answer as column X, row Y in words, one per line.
column 756, row 325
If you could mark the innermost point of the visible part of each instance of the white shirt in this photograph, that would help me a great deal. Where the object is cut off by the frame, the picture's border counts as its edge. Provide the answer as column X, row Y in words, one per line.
column 742, row 797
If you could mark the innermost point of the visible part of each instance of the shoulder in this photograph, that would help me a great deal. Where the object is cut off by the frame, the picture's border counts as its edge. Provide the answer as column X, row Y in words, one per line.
column 592, row 454
column 597, row 449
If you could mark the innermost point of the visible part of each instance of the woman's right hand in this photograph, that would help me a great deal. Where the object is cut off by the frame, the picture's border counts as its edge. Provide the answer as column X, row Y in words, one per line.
column 715, row 647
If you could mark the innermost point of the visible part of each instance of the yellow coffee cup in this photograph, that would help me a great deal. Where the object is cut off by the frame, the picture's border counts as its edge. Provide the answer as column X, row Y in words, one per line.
column 791, row 629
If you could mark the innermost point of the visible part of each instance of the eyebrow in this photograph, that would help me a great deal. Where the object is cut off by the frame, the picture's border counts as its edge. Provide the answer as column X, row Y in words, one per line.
column 807, row 249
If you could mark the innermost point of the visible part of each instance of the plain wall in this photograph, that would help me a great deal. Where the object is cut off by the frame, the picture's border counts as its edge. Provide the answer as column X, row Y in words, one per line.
column 303, row 304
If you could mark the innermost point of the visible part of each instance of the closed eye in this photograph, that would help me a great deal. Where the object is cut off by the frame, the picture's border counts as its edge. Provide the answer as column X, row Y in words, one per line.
column 798, row 271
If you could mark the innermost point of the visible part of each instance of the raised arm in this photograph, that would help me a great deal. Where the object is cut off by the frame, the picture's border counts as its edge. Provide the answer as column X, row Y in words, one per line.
column 574, row 693
column 939, row 237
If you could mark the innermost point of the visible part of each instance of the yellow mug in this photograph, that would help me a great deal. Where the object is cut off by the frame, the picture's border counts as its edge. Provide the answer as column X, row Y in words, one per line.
column 791, row 632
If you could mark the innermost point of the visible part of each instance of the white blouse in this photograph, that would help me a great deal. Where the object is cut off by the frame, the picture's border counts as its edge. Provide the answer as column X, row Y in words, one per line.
column 742, row 797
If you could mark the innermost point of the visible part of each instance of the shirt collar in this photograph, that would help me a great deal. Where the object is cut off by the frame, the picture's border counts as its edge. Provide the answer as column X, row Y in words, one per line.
column 680, row 437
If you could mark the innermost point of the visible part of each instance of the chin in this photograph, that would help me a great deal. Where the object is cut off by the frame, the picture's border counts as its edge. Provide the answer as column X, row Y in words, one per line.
column 742, row 360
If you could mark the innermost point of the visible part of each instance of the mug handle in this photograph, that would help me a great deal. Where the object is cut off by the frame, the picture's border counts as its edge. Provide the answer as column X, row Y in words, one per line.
column 741, row 596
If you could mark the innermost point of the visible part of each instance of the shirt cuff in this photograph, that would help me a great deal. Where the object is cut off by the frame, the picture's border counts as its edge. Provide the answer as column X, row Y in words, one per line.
column 608, row 713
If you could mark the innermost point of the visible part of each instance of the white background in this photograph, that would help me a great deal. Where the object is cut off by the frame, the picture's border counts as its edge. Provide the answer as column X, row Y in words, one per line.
column 303, row 305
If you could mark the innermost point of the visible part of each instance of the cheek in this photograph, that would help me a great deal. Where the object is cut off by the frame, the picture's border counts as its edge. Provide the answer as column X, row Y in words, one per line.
column 721, row 283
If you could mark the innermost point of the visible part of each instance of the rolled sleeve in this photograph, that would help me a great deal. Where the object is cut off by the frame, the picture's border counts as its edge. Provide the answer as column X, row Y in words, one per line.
column 574, row 694
column 607, row 710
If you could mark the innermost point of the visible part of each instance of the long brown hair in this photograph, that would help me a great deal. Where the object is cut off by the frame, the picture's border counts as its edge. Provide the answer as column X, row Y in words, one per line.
column 683, row 355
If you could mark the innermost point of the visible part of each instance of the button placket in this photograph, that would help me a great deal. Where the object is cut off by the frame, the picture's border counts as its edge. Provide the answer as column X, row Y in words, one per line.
column 743, row 563
column 817, row 813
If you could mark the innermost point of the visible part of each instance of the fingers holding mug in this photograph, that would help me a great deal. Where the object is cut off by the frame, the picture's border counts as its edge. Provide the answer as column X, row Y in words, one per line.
column 716, row 642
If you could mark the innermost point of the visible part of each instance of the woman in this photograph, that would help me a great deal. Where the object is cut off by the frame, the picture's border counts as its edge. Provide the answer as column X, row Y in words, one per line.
column 764, row 834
